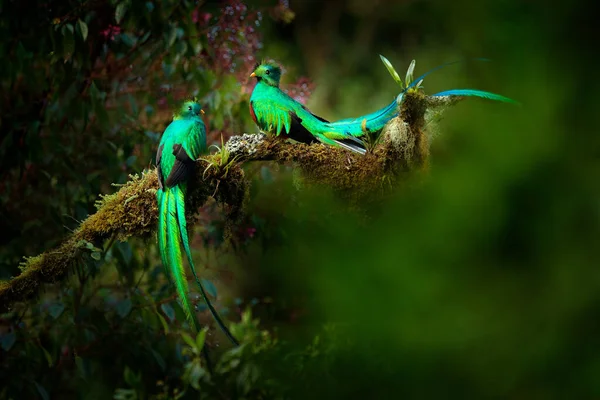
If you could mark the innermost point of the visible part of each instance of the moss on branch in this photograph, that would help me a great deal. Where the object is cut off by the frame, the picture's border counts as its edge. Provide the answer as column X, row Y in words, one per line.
column 132, row 211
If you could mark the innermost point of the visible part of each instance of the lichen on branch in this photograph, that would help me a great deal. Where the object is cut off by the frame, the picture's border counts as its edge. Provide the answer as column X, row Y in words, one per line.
column 132, row 210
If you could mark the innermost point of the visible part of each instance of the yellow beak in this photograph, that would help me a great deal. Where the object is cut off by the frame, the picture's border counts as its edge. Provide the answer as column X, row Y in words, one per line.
column 202, row 111
column 252, row 75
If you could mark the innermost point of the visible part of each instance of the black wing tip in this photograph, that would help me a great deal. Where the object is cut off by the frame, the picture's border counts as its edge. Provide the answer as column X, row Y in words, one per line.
column 181, row 155
column 179, row 173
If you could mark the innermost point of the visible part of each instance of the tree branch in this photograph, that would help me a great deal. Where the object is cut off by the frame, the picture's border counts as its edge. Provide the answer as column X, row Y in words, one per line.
column 132, row 210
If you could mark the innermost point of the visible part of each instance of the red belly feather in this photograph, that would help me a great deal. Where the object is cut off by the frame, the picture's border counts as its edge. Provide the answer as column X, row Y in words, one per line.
column 252, row 114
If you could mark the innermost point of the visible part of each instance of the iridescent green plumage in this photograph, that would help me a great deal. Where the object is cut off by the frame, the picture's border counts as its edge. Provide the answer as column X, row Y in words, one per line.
column 275, row 112
column 182, row 143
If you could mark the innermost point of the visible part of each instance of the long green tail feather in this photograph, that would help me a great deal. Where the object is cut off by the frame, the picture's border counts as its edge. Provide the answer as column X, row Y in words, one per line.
column 476, row 93
column 170, row 252
column 180, row 200
column 162, row 229
column 174, row 255
column 354, row 127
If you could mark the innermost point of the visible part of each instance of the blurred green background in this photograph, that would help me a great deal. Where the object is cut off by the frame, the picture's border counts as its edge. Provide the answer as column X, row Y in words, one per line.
column 480, row 281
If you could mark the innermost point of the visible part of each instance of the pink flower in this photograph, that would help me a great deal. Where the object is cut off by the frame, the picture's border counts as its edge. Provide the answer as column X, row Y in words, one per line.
column 205, row 17
column 111, row 32
column 300, row 90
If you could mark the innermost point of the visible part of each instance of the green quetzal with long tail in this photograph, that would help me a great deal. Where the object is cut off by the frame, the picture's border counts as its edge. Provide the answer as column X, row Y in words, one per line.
column 274, row 111
column 181, row 144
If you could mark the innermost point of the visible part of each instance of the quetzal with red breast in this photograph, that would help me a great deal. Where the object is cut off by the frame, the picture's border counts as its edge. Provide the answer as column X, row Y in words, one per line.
column 181, row 144
column 274, row 111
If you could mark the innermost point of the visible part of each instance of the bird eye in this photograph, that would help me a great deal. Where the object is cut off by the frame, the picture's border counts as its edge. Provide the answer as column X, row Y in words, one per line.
column 189, row 108
column 267, row 72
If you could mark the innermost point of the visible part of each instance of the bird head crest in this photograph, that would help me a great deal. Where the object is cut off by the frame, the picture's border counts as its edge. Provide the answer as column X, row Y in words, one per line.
column 190, row 107
column 267, row 71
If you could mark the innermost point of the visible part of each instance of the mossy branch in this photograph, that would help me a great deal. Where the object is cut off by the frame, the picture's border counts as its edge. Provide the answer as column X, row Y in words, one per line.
column 132, row 211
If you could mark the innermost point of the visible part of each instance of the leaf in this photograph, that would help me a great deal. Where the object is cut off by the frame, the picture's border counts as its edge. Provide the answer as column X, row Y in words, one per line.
column 83, row 29
column 43, row 393
column 168, row 68
column 200, row 338
column 130, row 377
column 120, row 11
column 94, row 92
column 145, row 37
column 159, row 360
column 149, row 112
column 181, row 47
column 47, row 355
column 126, row 253
column 124, row 307
column 8, row 340
column 133, row 104
column 391, row 69
column 409, row 72
column 196, row 46
column 68, row 41
column 194, row 372
column 248, row 375
column 163, row 322
column 216, row 99
column 171, row 36
column 83, row 366
column 188, row 339
column 128, row 39
column 168, row 310
column 56, row 309
column 130, row 160
column 209, row 287
column 125, row 394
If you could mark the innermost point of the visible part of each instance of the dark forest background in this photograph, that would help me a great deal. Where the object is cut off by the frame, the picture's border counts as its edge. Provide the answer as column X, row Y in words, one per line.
column 480, row 279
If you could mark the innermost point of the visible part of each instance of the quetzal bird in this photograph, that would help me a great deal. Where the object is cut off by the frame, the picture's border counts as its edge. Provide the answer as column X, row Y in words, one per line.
column 273, row 111
column 181, row 144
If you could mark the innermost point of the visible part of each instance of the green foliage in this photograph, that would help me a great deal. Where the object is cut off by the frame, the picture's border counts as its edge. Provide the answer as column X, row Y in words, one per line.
column 409, row 74
column 221, row 160
column 90, row 87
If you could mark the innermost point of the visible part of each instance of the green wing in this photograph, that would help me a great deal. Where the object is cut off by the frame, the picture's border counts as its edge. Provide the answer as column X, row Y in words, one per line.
column 194, row 142
column 272, row 115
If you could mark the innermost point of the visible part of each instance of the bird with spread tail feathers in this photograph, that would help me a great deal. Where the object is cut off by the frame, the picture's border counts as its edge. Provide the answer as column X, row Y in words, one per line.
column 274, row 111
column 181, row 144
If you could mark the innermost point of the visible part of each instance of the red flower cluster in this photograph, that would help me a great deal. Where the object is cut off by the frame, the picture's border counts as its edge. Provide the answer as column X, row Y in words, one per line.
column 300, row 90
column 110, row 32
column 234, row 37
